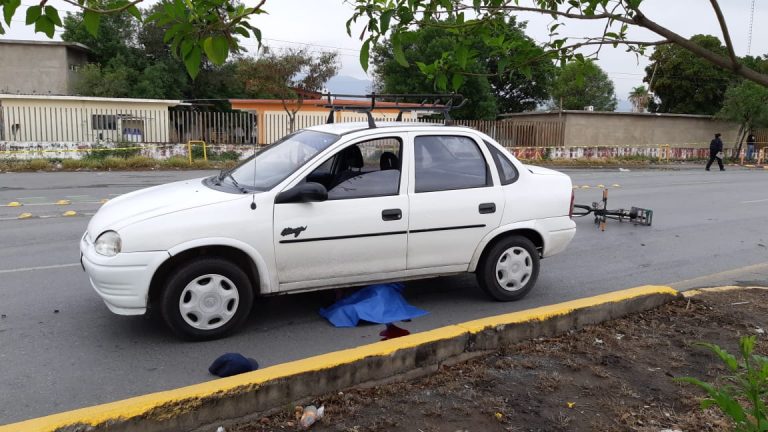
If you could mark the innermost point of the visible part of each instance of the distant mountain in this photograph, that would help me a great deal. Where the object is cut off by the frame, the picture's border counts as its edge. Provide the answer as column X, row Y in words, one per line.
column 349, row 85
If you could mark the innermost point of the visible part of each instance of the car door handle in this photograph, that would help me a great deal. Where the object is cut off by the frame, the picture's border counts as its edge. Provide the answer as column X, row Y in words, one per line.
column 391, row 214
column 486, row 208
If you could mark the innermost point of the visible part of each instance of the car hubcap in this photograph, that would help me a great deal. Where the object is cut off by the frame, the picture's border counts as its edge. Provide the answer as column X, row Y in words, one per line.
column 514, row 268
column 209, row 302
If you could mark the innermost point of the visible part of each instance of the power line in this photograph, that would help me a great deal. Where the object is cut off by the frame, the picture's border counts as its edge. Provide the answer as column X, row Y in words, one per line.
column 751, row 20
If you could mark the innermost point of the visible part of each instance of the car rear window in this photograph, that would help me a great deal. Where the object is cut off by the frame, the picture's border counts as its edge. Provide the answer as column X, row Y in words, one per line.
column 445, row 162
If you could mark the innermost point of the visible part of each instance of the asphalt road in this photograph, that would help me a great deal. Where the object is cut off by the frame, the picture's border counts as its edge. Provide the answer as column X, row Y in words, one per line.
column 60, row 348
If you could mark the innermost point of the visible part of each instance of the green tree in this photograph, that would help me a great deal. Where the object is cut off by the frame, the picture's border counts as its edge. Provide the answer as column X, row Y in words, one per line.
column 147, row 67
column 488, row 93
column 583, row 83
column 683, row 82
column 392, row 19
column 747, row 104
column 115, row 36
column 116, row 79
column 639, row 98
column 289, row 76
column 193, row 28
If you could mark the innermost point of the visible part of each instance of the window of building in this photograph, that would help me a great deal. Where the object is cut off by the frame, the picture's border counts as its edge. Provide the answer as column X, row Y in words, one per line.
column 449, row 162
column 103, row 122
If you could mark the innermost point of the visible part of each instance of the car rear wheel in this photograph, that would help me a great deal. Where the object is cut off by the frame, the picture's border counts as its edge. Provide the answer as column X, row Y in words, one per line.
column 510, row 269
column 206, row 299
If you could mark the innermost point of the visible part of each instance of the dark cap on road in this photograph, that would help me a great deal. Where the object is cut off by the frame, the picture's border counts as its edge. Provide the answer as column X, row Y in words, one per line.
column 232, row 364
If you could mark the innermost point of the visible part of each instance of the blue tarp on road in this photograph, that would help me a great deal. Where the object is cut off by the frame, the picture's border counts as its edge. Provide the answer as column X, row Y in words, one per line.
column 382, row 304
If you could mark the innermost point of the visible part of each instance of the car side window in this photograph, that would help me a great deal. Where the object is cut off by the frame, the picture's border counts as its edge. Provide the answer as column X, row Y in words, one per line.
column 366, row 169
column 507, row 171
column 446, row 162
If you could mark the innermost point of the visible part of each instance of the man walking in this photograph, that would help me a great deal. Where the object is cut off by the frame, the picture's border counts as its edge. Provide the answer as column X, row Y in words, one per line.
column 750, row 146
column 716, row 152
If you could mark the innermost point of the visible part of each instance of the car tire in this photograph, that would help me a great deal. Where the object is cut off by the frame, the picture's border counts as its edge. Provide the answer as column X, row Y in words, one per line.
column 510, row 268
column 206, row 299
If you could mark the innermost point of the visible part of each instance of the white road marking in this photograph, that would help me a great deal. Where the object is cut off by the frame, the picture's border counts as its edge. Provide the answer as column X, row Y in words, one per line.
column 23, row 269
column 755, row 201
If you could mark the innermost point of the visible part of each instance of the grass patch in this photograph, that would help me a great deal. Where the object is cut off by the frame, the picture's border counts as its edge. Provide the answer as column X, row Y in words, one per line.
column 111, row 163
column 39, row 164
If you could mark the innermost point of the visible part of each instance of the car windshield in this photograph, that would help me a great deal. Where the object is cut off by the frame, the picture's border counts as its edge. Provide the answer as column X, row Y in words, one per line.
column 275, row 163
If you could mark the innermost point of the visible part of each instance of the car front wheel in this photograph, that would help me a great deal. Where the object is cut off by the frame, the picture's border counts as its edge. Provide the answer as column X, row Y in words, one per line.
column 206, row 299
column 510, row 269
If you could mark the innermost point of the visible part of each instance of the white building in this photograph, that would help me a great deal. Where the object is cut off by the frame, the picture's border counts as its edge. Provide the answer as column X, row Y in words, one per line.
column 38, row 118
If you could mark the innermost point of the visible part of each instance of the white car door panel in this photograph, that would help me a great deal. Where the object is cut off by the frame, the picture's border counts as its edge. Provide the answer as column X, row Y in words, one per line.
column 446, row 225
column 361, row 229
column 340, row 238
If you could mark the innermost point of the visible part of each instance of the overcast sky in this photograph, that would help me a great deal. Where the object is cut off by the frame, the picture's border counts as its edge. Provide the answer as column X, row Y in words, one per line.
column 321, row 25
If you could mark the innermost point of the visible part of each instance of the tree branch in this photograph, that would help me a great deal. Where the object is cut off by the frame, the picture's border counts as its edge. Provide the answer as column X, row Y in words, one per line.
column 600, row 16
column 726, row 34
column 103, row 11
column 724, row 62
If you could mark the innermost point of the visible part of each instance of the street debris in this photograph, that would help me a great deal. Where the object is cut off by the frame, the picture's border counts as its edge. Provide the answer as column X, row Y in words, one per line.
column 232, row 364
column 310, row 415
column 380, row 304
column 562, row 383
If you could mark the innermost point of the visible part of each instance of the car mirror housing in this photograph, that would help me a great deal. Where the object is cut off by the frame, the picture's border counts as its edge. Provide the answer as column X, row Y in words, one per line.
column 303, row 193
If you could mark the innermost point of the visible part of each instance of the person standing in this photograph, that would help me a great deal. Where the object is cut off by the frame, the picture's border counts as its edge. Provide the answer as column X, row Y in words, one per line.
column 716, row 152
column 750, row 146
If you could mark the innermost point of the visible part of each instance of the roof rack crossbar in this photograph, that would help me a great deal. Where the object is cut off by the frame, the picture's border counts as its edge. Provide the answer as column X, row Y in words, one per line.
column 397, row 99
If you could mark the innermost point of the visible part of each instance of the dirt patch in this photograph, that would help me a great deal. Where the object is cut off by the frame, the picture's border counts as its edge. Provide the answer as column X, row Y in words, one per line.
column 611, row 377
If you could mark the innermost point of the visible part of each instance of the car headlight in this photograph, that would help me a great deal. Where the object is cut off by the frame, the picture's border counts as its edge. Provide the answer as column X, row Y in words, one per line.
column 108, row 244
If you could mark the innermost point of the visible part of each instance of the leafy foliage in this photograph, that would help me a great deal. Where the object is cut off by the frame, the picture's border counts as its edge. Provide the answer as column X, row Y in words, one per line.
column 130, row 59
column 684, row 83
column 583, row 83
column 489, row 94
column 748, row 381
column 480, row 20
column 289, row 76
column 639, row 98
column 192, row 28
column 747, row 104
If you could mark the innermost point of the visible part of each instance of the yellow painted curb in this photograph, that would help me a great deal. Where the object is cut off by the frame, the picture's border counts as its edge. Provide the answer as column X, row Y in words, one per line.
column 546, row 312
column 695, row 292
column 141, row 405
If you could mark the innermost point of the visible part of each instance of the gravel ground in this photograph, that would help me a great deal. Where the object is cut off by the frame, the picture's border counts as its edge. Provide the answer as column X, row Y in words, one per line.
column 611, row 377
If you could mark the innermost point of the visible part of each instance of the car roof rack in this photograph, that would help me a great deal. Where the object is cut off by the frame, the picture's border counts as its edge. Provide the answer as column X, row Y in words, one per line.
column 440, row 102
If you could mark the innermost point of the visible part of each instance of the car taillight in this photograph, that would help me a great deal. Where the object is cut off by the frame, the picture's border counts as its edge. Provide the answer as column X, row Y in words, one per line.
column 573, row 196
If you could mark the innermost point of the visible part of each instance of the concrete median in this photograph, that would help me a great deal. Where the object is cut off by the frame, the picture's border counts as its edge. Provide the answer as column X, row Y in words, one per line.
column 247, row 395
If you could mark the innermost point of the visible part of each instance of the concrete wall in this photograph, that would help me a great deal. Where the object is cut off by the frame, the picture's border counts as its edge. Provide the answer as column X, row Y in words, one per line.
column 56, row 120
column 583, row 129
column 37, row 69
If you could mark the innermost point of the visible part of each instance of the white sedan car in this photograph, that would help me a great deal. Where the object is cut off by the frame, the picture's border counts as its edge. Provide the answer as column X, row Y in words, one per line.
column 329, row 206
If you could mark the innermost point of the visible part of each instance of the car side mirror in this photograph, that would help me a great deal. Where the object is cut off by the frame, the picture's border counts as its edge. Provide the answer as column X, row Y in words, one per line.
column 303, row 193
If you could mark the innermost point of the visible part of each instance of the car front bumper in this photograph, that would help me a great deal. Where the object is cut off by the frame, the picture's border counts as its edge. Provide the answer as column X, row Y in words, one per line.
column 123, row 280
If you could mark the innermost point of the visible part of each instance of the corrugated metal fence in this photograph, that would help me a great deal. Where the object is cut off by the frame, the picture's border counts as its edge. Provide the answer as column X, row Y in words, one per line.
column 94, row 125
